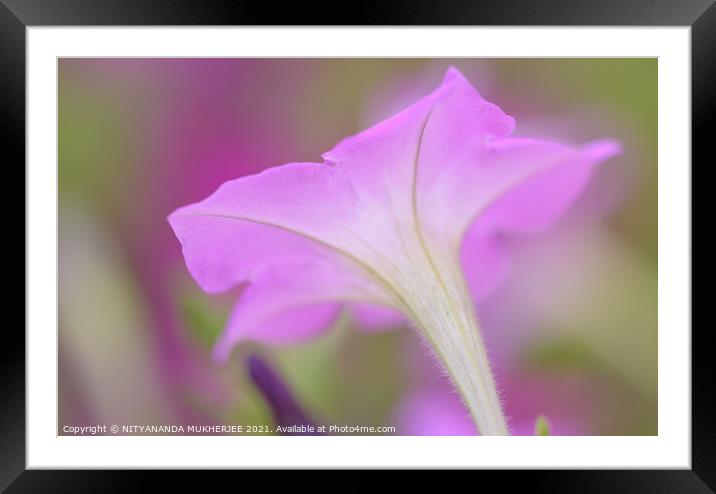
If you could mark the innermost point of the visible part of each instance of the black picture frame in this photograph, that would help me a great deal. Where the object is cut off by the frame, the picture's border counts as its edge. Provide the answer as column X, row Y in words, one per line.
column 16, row 15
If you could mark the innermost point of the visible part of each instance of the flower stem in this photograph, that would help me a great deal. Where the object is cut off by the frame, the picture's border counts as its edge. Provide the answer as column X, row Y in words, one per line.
column 446, row 315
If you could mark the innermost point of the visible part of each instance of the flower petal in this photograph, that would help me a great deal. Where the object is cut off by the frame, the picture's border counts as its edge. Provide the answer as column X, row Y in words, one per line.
column 258, row 322
column 461, row 175
column 373, row 318
column 485, row 261
column 290, row 300
column 546, row 179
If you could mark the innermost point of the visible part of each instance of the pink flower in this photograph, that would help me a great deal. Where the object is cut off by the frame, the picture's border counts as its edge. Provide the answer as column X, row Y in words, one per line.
column 382, row 222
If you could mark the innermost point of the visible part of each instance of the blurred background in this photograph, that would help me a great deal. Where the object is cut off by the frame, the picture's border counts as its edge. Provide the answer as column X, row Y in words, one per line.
column 572, row 333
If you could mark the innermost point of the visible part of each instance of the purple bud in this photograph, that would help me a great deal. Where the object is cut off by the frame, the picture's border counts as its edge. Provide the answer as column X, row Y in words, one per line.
column 284, row 407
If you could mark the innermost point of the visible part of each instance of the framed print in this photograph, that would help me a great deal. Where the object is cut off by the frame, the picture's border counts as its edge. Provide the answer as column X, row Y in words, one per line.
column 409, row 240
